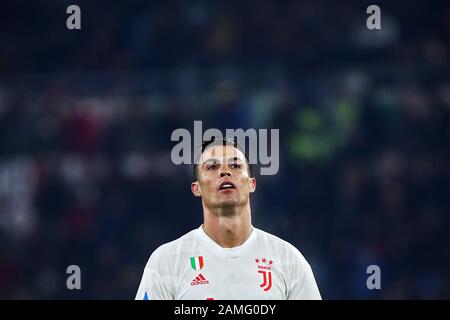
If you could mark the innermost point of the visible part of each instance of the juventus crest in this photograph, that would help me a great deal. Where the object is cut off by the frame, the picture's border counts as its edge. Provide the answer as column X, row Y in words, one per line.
column 265, row 269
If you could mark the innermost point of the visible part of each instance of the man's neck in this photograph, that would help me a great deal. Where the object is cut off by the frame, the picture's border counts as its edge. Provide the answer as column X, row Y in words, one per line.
column 230, row 229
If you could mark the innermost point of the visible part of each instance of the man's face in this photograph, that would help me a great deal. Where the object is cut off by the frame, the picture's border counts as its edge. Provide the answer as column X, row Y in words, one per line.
column 223, row 178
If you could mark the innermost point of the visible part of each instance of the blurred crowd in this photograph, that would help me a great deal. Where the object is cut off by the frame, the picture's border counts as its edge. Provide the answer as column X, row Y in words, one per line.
column 85, row 138
column 143, row 34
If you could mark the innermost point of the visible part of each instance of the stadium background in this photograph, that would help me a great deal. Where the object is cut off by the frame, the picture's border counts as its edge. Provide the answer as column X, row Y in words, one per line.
column 86, row 118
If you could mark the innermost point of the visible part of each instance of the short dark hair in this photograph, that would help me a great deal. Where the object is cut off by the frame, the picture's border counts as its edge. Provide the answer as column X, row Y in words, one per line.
column 217, row 142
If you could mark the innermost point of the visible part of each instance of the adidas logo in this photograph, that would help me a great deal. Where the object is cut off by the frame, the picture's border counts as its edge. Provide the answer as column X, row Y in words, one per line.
column 200, row 279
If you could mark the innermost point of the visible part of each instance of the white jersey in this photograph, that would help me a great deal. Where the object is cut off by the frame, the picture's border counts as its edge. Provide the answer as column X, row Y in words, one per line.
column 195, row 267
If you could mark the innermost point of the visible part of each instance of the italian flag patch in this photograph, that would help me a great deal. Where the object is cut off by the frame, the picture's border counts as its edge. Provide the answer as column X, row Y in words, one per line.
column 197, row 262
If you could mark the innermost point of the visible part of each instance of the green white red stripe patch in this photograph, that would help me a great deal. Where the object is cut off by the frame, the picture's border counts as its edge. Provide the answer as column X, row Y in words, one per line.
column 197, row 262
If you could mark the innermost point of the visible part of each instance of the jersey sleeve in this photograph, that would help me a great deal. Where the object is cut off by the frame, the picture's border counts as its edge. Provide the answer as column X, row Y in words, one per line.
column 303, row 285
column 156, row 282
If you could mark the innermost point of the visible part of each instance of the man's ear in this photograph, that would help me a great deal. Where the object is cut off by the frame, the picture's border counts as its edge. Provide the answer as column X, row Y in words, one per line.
column 195, row 188
column 252, row 184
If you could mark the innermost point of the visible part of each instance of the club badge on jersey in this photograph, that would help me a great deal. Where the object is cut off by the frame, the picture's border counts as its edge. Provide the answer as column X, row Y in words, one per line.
column 264, row 267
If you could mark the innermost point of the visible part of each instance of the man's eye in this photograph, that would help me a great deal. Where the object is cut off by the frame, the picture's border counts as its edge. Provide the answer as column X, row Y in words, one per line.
column 235, row 166
column 211, row 167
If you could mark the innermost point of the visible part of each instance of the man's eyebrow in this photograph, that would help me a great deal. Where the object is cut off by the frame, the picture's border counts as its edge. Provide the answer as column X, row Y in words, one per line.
column 234, row 159
column 210, row 160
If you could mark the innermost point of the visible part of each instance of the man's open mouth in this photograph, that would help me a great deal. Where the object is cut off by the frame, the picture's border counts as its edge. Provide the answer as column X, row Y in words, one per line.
column 226, row 185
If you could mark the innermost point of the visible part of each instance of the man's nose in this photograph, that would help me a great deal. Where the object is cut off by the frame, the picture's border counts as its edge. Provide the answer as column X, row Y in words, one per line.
column 225, row 173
